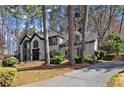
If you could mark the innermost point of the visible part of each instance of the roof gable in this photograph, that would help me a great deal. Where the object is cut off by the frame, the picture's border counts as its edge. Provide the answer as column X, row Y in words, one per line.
column 24, row 38
column 35, row 34
column 51, row 34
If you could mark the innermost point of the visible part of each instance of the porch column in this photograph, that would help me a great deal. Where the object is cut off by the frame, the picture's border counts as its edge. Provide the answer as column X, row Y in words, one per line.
column 21, row 53
column 31, row 52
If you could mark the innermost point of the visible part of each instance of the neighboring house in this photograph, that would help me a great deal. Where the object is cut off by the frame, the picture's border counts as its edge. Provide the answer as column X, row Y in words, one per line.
column 32, row 46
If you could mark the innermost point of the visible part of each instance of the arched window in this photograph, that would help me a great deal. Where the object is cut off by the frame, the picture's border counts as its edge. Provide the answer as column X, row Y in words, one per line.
column 35, row 44
column 26, row 44
column 26, row 50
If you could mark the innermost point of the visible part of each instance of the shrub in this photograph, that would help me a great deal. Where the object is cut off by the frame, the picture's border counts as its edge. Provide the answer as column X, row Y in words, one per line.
column 56, row 60
column 63, row 58
column 100, row 54
column 55, row 53
column 16, row 56
column 7, row 76
column 90, row 58
column 78, row 59
column 56, row 57
column 113, row 43
column 87, row 58
column 10, row 62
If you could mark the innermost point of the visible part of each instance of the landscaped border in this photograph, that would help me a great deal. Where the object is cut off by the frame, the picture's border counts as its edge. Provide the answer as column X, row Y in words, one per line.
column 113, row 81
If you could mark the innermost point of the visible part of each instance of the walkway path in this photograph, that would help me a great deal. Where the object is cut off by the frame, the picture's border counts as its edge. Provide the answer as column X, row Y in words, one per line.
column 93, row 76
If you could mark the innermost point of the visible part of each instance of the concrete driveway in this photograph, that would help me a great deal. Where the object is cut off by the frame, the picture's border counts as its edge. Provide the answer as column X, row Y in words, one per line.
column 93, row 76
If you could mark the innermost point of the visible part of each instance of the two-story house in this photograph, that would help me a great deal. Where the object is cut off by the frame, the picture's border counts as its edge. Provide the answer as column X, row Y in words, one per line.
column 32, row 45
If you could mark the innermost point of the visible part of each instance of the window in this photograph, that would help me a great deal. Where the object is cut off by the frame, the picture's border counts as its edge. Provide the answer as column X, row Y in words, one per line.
column 77, row 38
column 26, row 44
column 26, row 50
column 50, row 41
column 56, row 41
column 53, row 41
column 35, row 44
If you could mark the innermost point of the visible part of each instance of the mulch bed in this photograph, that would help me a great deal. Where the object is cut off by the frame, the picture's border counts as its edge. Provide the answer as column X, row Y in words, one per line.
column 114, row 57
column 39, row 65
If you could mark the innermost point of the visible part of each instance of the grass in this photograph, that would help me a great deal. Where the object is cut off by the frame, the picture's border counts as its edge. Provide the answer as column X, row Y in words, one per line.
column 117, row 80
column 36, row 71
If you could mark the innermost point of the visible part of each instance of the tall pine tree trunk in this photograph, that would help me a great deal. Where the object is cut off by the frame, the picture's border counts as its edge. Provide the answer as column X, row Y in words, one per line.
column 84, row 29
column 122, row 19
column 3, row 30
column 17, row 35
column 46, row 40
column 70, row 35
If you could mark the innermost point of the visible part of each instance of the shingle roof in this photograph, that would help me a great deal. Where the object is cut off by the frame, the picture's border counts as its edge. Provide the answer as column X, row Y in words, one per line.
column 50, row 34
column 90, row 36
column 40, row 35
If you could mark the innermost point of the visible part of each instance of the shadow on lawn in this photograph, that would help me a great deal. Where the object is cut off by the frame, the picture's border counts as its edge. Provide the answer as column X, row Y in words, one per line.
column 107, row 66
column 54, row 66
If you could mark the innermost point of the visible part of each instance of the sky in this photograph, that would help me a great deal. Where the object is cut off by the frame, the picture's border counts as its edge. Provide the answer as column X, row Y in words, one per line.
column 35, row 23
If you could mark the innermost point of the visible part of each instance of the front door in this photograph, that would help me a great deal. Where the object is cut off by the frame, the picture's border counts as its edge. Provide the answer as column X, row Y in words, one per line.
column 35, row 54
